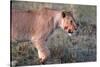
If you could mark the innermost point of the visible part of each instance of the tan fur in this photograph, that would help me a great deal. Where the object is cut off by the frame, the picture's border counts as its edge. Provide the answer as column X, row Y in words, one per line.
column 37, row 25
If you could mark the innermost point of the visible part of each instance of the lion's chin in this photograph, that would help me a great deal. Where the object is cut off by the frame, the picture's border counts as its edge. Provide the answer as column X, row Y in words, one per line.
column 67, row 33
column 70, row 34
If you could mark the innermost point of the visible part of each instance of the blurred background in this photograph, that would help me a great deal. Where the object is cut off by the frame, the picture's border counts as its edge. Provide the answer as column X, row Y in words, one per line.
column 64, row 49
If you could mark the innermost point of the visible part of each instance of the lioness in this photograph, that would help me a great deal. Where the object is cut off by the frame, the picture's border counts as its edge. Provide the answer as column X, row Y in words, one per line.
column 37, row 25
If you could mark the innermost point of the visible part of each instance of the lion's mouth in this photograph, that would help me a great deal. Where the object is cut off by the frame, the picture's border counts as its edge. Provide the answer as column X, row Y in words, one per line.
column 72, row 33
column 68, row 33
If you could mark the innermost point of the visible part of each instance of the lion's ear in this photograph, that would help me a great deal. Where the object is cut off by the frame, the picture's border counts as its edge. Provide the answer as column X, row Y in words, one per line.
column 63, row 14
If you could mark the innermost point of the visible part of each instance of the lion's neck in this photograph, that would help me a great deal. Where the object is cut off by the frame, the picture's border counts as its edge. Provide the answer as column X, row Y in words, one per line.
column 57, row 20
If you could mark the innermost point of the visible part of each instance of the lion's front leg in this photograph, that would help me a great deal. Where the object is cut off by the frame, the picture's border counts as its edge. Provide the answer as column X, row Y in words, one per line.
column 43, row 51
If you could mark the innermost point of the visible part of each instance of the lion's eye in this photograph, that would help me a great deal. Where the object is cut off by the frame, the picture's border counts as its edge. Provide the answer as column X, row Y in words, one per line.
column 71, row 21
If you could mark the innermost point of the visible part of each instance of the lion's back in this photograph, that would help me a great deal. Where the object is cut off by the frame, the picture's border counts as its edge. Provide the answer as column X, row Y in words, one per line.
column 25, row 24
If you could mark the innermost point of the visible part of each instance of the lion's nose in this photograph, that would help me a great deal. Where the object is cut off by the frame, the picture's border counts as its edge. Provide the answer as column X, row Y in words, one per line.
column 77, row 24
column 76, row 27
column 69, row 31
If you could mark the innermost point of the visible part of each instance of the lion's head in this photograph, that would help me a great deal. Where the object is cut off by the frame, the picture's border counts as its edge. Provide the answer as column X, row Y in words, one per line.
column 67, row 22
